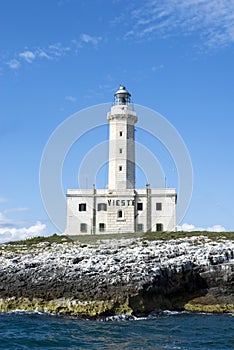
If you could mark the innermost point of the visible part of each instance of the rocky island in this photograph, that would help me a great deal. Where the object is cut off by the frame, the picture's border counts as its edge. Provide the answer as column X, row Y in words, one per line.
column 117, row 275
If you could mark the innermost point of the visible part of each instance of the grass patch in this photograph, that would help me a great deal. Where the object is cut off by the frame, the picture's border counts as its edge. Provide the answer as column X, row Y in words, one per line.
column 40, row 239
column 96, row 239
column 166, row 236
column 152, row 236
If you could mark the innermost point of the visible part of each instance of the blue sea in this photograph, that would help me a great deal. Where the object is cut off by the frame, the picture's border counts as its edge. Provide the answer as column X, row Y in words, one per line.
column 169, row 331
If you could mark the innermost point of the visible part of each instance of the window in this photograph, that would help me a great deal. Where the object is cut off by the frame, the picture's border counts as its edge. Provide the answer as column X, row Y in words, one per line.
column 120, row 151
column 159, row 227
column 120, row 168
column 83, row 227
column 139, row 206
column 158, row 206
column 120, row 214
column 102, row 227
column 101, row 206
column 82, row 207
column 121, row 133
column 139, row 227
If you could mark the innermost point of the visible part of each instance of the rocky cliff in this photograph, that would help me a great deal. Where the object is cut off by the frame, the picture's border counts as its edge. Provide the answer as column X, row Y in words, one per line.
column 108, row 277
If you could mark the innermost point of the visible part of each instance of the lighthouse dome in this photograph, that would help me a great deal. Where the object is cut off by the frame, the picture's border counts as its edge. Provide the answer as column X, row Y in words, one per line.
column 122, row 96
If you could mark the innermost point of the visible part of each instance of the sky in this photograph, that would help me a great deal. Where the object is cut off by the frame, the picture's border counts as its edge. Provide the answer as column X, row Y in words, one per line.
column 59, row 57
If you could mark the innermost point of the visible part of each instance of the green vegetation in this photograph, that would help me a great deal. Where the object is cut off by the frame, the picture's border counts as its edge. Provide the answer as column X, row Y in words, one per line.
column 216, row 308
column 166, row 236
column 71, row 307
column 36, row 240
column 209, row 303
column 94, row 309
column 92, row 239
column 153, row 236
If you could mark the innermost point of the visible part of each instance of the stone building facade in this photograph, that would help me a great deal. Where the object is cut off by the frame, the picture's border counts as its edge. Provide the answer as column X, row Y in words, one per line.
column 121, row 207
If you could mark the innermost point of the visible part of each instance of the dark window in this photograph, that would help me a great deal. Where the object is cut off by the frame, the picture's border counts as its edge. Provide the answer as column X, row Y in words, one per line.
column 158, row 206
column 120, row 150
column 102, row 227
column 159, row 227
column 120, row 214
column 139, row 227
column 83, row 227
column 139, row 206
column 82, row 207
column 120, row 133
column 101, row 206
column 120, row 168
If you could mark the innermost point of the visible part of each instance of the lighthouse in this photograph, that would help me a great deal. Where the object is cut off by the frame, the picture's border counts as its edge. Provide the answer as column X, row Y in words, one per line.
column 121, row 207
column 122, row 119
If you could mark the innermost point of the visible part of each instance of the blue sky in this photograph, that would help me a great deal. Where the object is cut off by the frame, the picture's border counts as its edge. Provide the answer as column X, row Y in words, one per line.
column 58, row 57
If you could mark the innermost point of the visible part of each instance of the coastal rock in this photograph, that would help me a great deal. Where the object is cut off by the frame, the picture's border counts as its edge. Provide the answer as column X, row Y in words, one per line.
column 110, row 277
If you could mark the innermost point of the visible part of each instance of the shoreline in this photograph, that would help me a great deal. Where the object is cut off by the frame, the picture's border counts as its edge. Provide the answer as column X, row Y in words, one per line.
column 132, row 276
column 120, row 317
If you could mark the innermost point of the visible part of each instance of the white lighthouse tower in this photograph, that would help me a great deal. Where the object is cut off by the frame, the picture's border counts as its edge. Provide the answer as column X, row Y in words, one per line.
column 122, row 119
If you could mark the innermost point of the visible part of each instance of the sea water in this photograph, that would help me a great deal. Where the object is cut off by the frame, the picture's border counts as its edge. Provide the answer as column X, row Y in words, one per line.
column 168, row 331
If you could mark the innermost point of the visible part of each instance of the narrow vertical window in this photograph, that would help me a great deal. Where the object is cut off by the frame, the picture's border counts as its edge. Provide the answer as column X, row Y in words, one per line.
column 159, row 227
column 120, row 214
column 102, row 227
column 158, row 206
column 139, row 206
column 82, row 207
column 121, row 133
column 120, row 150
column 120, row 168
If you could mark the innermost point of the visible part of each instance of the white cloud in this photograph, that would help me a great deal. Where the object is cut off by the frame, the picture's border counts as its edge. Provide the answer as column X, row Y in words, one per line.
column 86, row 38
column 70, row 98
column 14, row 64
column 53, row 51
column 211, row 20
column 57, row 50
column 189, row 228
column 13, row 234
column 29, row 56
column 216, row 228
column 41, row 53
column 11, row 229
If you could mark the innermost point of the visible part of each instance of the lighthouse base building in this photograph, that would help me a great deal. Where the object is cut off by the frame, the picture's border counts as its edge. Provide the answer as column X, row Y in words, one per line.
column 120, row 208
